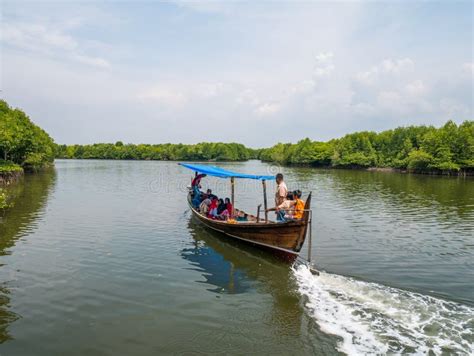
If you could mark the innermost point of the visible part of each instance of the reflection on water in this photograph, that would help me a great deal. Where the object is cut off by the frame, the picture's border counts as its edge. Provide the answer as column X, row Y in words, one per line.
column 220, row 273
column 29, row 198
column 6, row 316
column 233, row 267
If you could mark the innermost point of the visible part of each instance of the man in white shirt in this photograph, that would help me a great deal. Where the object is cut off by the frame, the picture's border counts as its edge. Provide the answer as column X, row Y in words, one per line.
column 281, row 193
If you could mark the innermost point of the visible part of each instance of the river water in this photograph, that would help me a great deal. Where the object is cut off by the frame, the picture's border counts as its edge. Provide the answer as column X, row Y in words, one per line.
column 104, row 258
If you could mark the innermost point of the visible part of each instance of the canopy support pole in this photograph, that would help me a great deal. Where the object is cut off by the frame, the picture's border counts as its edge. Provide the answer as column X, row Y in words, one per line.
column 265, row 199
column 232, row 190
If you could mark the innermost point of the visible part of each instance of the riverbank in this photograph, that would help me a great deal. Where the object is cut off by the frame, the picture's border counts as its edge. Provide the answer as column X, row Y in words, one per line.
column 432, row 172
column 447, row 150
column 460, row 173
column 9, row 172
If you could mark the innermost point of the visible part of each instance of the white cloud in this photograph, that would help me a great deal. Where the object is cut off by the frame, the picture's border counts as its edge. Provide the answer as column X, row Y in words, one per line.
column 324, row 57
column 416, row 88
column 389, row 99
column 324, row 64
column 163, row 96
column 469, row 67
column 267, row 109
column 210, row 90
column 397, row 66
column 364, row 109
column 247, row 97
column 369, row 77
column 52, row 41
column 93, row 61
column 452, row 108
column 36, row 37
column 387, row 67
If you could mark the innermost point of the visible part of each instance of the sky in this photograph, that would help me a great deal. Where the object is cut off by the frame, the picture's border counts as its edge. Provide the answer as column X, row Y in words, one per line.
column 254, row 72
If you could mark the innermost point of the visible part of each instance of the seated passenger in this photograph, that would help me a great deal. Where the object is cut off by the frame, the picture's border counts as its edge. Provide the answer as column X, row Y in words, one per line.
column 224, row 215
column 213, row 208
column 210, row 195
column 298, row 205
column 221, row 206
column 284, row 211
column 229, row 206
column 245, row 217
column 204, row 206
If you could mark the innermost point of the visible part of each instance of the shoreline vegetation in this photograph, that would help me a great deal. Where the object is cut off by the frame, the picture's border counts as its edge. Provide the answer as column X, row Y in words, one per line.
column 448, row 150
column 419, row 149
column 24, row 146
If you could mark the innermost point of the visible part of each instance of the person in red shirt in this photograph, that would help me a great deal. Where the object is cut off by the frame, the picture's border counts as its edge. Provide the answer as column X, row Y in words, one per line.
column 213, row 208
column 230, row 208
column 197, row 180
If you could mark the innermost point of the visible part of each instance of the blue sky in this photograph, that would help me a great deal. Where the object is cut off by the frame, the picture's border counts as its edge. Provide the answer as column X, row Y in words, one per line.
column 252, row 72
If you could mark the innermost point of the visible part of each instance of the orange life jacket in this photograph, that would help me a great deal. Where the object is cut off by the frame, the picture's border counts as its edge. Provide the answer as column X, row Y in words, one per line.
column 299, row 209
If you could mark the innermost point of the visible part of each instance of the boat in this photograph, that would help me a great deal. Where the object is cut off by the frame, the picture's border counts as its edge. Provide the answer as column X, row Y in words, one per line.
column 283, row 239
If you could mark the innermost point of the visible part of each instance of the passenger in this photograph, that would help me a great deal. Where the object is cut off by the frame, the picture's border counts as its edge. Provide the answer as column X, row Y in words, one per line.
column 224, row 215
column 197, row 196
column 197, row 180
column 281, row 192
column 229, row 206
column 213, row 208
column 221, row 207
column 243, row 218
column 298, row 205
column 210, row 195
column 284, row 211
column 204, row 206
column 292, row 208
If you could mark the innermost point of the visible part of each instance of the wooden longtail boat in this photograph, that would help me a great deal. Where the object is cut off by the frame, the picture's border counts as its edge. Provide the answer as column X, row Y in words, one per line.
column 284, row 239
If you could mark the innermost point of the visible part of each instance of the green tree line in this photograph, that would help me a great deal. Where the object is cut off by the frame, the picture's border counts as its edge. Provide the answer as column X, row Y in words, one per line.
column 22, row 143
column 201, row 151
column 418, row 148
column 449, row 148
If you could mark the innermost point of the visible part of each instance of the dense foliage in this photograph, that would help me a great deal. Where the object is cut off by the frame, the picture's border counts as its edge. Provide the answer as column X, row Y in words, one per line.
column 7, row 167
column 21, row 141
column 201, row 151
column 418, row 148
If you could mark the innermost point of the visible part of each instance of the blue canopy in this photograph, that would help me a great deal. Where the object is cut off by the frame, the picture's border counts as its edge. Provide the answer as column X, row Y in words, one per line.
column 222, row 173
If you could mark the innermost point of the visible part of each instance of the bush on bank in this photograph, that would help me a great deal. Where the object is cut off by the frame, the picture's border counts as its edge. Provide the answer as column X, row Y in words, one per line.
column 7, row 167
column 199, row 152
column 449, row 148
column 22, row 142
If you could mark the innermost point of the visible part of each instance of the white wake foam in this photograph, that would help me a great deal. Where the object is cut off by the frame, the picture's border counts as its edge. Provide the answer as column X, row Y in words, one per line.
column 375, row 319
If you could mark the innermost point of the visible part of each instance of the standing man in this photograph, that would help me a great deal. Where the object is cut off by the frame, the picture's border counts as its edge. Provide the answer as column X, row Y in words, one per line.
column 196, row 188
column 281, row 193
column 197, row 180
